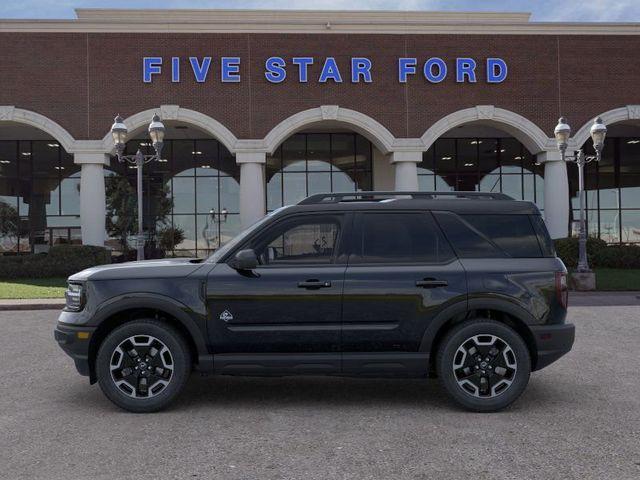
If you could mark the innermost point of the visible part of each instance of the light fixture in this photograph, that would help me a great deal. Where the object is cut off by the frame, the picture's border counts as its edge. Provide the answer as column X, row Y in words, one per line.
column 196, row 152
column 4, row 162
column 53, row 145
column 517, row 158
column 598, row 133
column 446, row 158
column 25, row 154
column 156, row 132
column 205, row 166
column 632, row 142
column 468, row 164
column 562, row 133
column 476, row 142
column 502, row 150
column 58, row 168
column 119, row 133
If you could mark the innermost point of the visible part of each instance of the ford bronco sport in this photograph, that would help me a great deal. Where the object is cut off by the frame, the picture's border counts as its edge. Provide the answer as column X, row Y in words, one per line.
column 459, row 285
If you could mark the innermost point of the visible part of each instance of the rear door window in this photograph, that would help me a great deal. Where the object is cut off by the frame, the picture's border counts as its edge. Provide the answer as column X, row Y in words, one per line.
column 400, row 238
column 467, row 241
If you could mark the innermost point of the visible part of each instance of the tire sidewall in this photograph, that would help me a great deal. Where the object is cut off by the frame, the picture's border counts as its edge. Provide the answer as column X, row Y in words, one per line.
column 181, row 360
column 452, row 342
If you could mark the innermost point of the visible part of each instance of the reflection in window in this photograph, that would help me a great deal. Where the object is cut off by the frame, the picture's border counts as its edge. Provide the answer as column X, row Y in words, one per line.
column 39, row 196
column 612, row 188
column 203, row 180
column 308, row 163
column 482, row 164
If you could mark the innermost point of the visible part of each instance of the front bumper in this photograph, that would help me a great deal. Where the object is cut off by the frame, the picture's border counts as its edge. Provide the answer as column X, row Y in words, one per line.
column 74, row 340
column 552, row 342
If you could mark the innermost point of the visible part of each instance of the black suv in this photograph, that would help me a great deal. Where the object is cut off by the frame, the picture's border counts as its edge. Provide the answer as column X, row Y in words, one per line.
column 463, row 286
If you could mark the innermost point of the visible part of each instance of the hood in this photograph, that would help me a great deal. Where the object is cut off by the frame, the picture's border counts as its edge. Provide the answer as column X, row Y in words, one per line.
column 165, row 268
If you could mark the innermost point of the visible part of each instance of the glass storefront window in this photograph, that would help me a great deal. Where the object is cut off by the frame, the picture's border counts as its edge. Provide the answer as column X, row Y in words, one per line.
column 612, row 190
column 308, row 163
column 39, row 195
column 482, row 164
column 202, row 179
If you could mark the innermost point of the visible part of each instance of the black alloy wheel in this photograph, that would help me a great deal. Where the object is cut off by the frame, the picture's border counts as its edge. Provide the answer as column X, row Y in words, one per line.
column 484, row 365
column 143, row 365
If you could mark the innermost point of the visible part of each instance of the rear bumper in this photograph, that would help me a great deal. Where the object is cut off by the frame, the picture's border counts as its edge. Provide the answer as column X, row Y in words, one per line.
column 75, row 341
column 552, row 342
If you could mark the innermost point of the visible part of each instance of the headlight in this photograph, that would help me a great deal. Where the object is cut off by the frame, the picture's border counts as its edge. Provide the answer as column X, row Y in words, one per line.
column 74, row 297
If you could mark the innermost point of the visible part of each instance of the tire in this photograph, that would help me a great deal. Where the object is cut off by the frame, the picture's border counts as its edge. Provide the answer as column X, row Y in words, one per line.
column 506, row 374
column 148, row 346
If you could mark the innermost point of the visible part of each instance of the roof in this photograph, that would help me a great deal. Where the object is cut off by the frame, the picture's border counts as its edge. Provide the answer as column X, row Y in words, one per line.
column 310, row 21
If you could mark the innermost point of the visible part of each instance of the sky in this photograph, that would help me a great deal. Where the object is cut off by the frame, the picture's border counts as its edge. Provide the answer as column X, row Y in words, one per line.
column 542, row 10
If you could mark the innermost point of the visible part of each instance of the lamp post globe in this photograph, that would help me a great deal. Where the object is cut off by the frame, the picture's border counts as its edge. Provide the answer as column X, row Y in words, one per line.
column 598, row 133
column 119, row 133
column 562, row 133
column 156, row 132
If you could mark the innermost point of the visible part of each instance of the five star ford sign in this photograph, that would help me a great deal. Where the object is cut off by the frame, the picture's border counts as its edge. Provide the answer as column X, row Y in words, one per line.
column 361, row 69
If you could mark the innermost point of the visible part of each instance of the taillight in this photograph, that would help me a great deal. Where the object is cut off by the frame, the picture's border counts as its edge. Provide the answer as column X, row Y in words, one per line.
column 562, row 289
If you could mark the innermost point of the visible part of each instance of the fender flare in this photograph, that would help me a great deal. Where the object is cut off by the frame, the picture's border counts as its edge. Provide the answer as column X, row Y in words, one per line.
column 500, row 303
column 157, row 302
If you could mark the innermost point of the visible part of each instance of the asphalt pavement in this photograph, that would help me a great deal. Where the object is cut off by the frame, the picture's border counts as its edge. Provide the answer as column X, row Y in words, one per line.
column 579, row 418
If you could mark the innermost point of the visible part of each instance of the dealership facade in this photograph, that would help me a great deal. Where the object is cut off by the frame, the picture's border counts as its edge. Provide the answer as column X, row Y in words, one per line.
column 263, row 108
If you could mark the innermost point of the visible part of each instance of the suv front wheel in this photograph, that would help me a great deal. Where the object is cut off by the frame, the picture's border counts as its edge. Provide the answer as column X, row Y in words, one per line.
column 484, row 365
column 143, row 365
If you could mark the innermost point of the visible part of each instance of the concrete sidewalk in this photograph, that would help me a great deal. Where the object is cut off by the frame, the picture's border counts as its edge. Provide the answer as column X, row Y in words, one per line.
column 576, row 299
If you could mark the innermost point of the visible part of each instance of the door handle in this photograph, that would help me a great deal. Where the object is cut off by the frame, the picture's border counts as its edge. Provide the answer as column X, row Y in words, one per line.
column 313, row 284
column 431, row 283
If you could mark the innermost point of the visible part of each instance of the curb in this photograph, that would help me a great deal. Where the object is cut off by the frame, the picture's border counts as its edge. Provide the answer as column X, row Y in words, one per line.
column 40, row 304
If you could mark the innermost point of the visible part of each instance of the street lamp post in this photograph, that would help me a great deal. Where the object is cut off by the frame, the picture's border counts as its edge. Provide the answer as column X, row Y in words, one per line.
column 210, row 231
column 562, row 133
column 119, row 133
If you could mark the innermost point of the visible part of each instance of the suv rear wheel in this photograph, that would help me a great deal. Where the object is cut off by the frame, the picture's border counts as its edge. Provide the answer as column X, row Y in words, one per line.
column 143, row 365
column 484, row 365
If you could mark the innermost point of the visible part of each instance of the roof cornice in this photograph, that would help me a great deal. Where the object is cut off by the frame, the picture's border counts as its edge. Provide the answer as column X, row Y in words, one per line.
column 312, row 21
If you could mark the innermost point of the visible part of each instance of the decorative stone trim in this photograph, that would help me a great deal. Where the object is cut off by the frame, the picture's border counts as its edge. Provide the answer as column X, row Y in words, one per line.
column 10, row 113
column 629, row 112
column 520, row 127
column 382, row 138
column 177, row 113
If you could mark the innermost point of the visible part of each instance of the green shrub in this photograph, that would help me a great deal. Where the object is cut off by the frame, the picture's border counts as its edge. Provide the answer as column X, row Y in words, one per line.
column 617, row 256
column 61, row 261
column 567, row 250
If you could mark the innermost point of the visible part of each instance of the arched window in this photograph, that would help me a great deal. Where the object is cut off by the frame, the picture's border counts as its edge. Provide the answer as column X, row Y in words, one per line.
column 39, row 195
column 482, row 164
column 202, row 180
column 308, row 163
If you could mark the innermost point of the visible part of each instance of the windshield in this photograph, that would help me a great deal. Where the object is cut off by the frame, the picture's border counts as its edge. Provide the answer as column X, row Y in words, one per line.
column 239, row 238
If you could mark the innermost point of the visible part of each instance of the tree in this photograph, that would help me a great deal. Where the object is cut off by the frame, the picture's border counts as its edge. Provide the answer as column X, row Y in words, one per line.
column 9, row 221
column 122, row 209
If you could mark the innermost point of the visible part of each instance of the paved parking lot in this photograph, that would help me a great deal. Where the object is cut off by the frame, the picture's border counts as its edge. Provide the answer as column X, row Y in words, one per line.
column 580, row 418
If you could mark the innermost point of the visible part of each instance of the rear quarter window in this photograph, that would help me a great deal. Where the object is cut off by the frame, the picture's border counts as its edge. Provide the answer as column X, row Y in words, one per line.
column 513, row 234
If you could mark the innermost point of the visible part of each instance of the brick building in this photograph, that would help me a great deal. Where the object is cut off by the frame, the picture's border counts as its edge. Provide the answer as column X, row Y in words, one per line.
column 265, row 107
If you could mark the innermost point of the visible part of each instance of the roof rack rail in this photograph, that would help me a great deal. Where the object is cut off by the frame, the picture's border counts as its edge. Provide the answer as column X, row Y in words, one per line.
column 378, row 196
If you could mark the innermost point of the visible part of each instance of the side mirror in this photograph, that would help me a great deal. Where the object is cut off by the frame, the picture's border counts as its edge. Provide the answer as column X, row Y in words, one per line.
column 245, row 260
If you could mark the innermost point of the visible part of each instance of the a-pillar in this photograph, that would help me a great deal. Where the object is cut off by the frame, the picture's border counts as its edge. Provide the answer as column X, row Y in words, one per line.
column 556, row 194
column 92, row 196
column 252, row 187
